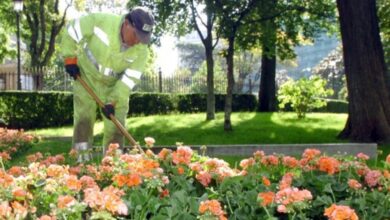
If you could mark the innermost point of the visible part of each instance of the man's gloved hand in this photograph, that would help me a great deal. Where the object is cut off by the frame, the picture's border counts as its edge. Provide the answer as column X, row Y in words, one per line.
column 71, row 67
column 107, row 110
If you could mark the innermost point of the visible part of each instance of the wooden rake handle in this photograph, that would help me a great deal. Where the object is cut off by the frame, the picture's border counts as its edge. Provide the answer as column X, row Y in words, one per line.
column 121, row 128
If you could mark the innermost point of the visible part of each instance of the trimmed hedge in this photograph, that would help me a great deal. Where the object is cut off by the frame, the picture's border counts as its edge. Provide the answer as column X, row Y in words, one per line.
column 52, row 109
column 36, row 109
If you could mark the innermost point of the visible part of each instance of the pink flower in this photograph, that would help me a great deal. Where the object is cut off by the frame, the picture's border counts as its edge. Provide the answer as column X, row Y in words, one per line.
column 245, row 163
column 282, row 209
column 204, row 178
column 372, row 177
column 149, row 141
column 362, row 156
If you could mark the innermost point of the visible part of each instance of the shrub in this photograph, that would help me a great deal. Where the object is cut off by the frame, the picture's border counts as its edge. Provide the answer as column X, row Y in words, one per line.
column 303, row 95
column 36, row 109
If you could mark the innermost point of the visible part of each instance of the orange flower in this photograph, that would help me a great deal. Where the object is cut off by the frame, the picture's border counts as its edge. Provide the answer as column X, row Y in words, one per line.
column 266, row 198
column 120, row 180
column 5, row 210
column 182, row 155
column 245, row 163
column 290, row 162
column 133, row 180
column 180, row 170
column 213, row 206
column 164, row 154
column 15, row 171
column 46, row 217
column 5, row 156
column 129, row 180
column 354, row 184
column 19, row 193
column 289, row 196
column 55, row 170
column 196, row 167
column 340, row 212
column 88, row 182
column 65, row 201
column 310, row 153
column 73, row 183
column 266, row 181
column 328, row 164
column 204, row 178
column 19, row 209
column 272, row 160
column 5, row 179
column 286, row 181
column 388, row 159
column 386, row 174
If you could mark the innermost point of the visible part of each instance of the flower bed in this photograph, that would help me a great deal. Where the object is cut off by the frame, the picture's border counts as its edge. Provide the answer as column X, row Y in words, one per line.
column 14, row 142
column 182, row 184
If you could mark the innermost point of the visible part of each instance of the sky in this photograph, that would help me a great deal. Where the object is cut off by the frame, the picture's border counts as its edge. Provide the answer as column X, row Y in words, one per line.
column 167, row 54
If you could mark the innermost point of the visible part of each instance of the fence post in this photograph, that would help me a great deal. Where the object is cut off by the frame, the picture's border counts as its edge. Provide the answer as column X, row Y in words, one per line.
column 159, row 80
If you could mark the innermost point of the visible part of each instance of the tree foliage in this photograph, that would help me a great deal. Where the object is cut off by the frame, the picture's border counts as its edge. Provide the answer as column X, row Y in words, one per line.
column 43, row 21
column 384, row 22
column 7, row 28
column 331, row 68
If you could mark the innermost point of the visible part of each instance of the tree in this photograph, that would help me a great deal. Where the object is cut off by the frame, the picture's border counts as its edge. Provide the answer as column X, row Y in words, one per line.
column 369, row 98
column 230, row 19
column 44, row 22
column 286, row 25
column 181, row 17
column 7, row 16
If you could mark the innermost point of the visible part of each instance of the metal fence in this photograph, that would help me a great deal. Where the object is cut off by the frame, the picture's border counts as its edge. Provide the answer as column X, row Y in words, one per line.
column 55, row 79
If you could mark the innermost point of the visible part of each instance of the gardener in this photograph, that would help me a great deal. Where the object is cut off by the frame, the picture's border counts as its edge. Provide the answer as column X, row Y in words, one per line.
column 108, row 52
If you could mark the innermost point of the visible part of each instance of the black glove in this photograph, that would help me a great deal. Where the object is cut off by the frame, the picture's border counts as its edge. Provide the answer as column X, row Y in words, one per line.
column 107, row 110
column 73, row 70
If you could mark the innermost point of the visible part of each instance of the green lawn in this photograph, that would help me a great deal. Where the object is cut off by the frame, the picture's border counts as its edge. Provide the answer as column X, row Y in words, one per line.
column 193, row 129
column 248, row 128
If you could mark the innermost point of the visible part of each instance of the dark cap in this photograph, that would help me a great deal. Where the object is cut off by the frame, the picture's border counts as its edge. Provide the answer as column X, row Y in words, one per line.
column 143, row 21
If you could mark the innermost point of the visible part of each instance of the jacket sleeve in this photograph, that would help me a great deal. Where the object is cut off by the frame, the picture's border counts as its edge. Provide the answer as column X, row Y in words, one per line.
column 74, row 34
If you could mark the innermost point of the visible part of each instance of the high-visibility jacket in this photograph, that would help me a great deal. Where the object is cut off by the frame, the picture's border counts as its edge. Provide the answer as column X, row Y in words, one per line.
column 109, row 67
column 95, row 40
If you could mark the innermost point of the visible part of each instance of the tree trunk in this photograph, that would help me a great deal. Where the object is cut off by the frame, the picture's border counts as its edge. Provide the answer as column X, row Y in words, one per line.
column 229, row 89
column 210, row 83
column 369, row 100
column 267, row 96
column 267, row 90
